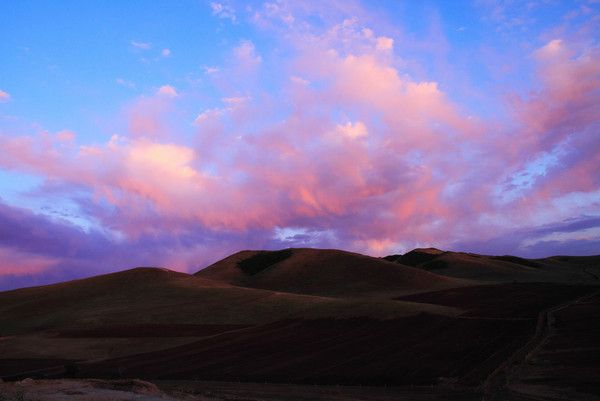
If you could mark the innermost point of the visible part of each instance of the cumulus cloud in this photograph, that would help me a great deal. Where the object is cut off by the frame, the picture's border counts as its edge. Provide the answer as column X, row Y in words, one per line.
column 313, row 177
column 166, row 52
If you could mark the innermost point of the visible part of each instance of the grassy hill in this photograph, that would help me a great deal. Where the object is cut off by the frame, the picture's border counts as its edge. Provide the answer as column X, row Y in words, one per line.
column 324, row 272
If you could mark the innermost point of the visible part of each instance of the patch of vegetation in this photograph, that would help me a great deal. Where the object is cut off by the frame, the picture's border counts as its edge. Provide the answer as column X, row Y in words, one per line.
column 392, row 258
column 262, row 260
column 435, row 265
column 20, row 395
column 517, row 260
column 71, row 370
column 415, row 258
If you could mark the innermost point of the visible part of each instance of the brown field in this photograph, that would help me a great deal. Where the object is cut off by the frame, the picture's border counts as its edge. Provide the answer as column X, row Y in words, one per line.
column 516, row 301
column 330, row 351
column 567, row 361
column 150, row 330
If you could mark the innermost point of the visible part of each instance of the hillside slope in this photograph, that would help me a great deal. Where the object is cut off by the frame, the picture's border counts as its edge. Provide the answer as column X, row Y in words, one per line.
column 323, row 272
column 580, row 269
column 146, row 309
column 151, row 296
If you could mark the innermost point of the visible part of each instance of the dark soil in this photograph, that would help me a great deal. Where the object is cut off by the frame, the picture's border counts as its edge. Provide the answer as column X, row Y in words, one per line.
column 418, row 350
column 522, row 300
column 150, row 330
column 13, row 366
column 517, row 260
column 570, row 359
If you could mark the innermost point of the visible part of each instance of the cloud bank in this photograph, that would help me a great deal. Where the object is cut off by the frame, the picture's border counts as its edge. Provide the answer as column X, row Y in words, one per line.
column 330, row 140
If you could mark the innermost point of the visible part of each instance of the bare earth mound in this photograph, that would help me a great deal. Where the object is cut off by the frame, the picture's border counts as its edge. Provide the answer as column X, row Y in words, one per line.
column 86, row 390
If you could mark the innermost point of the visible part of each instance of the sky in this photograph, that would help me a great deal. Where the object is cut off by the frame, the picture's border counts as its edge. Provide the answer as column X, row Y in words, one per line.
column 174, row 133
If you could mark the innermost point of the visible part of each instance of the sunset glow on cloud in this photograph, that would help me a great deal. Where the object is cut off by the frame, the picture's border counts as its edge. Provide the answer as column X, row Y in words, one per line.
column 199, row 129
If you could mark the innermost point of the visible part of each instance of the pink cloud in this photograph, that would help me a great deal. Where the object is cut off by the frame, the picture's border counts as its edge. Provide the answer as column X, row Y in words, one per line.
column 562, row 114
column 167, row 90
column 148, row 116
column 246, row 55
column 16, row 263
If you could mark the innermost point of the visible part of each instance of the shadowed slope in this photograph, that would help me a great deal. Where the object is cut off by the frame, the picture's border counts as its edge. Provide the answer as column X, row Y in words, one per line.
column 323, row 272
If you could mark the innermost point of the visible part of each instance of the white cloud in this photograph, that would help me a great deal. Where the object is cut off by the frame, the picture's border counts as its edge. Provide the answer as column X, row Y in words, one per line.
column 246, row 54
column 300, row 81
column 352, row 131
column 210, row 114
column 384, row 43
column 235, row 100
column 125, row 83
column 224, row 11
column 166, row 52
column 141, row 45
column 4, row 96
column 210, row 70
column 216, row 113
column 167, row 90
column 586, row 234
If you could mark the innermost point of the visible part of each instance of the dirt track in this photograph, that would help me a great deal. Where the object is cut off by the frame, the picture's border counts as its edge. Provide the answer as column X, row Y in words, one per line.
column 562, row 362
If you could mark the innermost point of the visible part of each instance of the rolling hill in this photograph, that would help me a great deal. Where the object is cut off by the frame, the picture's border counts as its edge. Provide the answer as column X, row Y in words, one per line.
column 580, row 269
column 448, row 321
column 145, row 309
column 324, row 272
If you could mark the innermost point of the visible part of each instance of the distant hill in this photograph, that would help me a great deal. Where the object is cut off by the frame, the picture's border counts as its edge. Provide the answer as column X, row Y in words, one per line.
column 324, row 272
column 506, row 268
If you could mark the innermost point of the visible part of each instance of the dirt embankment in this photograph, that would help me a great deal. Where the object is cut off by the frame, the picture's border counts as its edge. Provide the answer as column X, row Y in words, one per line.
column 89, row 390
